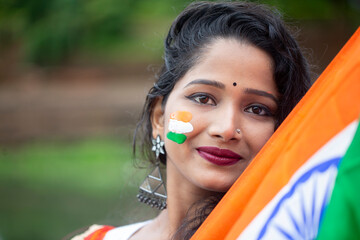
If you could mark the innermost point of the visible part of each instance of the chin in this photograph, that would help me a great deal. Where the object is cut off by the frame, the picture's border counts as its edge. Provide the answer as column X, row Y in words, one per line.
column 218, row 186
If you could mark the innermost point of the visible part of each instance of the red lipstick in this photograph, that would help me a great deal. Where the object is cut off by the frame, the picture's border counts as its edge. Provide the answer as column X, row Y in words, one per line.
column 221, row 157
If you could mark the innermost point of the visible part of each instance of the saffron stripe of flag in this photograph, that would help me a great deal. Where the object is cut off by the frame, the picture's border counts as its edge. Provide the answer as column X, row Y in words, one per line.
column 342, row 216
column 330, row 106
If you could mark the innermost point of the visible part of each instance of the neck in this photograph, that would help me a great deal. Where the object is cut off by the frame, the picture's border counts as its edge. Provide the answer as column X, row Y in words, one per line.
column 182, row 195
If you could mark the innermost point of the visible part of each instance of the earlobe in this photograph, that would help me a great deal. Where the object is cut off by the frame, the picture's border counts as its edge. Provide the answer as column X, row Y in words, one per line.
column 157, row 119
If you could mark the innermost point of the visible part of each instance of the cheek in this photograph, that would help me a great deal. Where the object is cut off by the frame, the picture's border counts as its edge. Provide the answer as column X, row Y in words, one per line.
column 259, row 135
column 199, row 123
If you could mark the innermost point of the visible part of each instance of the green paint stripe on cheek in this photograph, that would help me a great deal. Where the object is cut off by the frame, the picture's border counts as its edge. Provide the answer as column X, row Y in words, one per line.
column 176, row 137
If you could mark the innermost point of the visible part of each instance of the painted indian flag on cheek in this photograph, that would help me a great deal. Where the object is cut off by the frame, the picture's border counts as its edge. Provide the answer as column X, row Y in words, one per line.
column 179, row 123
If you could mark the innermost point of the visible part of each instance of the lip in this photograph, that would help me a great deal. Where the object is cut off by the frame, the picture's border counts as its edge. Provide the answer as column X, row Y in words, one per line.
column 221, row 157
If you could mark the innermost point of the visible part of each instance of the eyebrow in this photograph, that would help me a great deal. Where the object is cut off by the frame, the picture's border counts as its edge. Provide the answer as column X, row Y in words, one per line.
column 261, row 93
column 206, row 82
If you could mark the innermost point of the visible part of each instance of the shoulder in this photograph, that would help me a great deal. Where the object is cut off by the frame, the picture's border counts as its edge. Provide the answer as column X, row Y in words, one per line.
column 103, row 232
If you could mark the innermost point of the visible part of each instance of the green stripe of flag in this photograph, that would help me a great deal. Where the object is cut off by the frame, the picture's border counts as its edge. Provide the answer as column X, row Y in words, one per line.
column 342, row 216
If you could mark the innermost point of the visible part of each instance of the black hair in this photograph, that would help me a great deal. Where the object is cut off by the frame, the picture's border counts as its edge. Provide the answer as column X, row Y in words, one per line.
column 203, row 22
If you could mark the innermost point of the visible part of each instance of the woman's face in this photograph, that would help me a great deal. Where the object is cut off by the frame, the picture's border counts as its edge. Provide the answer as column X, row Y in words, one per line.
column 230, row 88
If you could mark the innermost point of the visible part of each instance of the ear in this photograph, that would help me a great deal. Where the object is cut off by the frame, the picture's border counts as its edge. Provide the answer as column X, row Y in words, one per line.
column 157, row 119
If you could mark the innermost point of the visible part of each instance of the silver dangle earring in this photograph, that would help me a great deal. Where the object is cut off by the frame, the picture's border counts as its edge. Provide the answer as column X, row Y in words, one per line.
column 152, row 191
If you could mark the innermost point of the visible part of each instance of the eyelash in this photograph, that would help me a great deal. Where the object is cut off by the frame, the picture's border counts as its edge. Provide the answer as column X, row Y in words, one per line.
column 266, row 110
column 196, row 98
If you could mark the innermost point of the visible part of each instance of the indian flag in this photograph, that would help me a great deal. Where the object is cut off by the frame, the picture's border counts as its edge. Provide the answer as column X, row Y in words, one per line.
column 179, row 123
column 304, row 183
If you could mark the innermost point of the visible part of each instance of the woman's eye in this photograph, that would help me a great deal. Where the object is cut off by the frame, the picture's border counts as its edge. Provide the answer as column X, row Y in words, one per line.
column 202, row 99
column 259, row 110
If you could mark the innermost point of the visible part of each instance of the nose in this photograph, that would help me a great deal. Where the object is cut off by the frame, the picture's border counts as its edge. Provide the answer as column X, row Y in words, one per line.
column 224, row 125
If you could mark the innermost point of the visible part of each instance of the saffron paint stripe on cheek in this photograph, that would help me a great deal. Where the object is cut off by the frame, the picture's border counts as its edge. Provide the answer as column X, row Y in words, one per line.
column 183, row 116
column 176, row 137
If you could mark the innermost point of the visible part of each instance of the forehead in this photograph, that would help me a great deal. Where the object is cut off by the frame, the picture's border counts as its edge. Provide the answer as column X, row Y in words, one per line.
column 229, row 61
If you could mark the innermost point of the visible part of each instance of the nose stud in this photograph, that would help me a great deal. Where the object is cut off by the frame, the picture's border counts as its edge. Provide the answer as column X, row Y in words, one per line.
column 238, row 131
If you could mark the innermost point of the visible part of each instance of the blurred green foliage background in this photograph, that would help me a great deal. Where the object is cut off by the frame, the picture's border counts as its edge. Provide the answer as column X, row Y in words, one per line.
column 73, row 76
column 49, row 190
column 51, row 31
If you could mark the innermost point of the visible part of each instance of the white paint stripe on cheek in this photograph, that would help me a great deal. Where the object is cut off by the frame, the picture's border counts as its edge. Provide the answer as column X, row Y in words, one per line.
column 179, row 126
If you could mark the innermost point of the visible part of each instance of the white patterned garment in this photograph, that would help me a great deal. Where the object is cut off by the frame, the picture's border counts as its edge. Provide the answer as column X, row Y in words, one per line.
column 124, row 232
